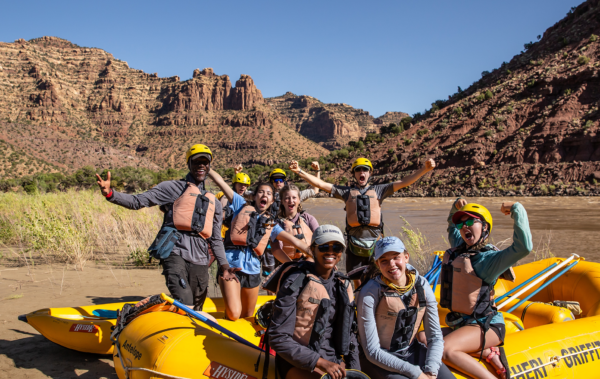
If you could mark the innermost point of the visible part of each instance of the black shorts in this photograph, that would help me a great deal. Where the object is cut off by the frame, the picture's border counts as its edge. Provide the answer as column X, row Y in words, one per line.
column 500, row 330
column 416, row 355
column 354, row 261
column 186, row 281
column 246, row 280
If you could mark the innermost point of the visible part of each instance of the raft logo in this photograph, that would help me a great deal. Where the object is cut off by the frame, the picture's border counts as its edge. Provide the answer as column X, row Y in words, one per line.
column 132, row 350
column 84, row 328
column 217, row 370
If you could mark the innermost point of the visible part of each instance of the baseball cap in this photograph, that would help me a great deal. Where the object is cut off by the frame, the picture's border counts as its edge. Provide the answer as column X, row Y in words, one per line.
column 327, row 233
column 387, row 244
column 458, row 215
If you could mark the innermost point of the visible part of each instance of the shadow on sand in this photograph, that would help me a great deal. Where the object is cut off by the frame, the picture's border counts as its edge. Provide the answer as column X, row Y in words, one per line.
column 108, row 300
column 33, row 351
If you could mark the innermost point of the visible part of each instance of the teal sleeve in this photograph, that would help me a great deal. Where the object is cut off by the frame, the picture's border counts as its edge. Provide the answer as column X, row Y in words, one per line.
column 454, row 237
column 493, row 263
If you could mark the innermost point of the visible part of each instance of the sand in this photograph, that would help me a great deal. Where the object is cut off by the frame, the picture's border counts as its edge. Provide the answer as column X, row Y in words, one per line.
column 24, row 353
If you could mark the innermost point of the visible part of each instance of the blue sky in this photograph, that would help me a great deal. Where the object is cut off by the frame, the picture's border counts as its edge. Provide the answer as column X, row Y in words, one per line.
column 379, row 56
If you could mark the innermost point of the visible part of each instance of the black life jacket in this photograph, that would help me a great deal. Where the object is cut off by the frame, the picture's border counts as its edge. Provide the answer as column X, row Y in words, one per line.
column 276, row 205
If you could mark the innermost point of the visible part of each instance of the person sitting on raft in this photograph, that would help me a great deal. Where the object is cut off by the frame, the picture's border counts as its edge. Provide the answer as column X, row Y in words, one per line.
column 472, row 266
column 296, row 221
column 251, row 228
column 311, row 326
column 363, row 227
column 390, row 308
column 186, row 268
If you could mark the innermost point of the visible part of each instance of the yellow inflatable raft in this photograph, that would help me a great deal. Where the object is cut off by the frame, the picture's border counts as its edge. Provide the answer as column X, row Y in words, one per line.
column 543, row 341
column 88, row 328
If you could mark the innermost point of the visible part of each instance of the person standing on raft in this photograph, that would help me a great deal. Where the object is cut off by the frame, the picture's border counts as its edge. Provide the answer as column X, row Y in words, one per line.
column 472, row 266
column 186, row 268
column 311, row 326
column 252, row 227
column 364, row 220
column 391, row 306
column 296, row 221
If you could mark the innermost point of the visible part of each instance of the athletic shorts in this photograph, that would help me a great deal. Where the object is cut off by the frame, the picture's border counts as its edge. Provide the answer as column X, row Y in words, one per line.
column 246, row 280
column 354, row 261
column 500, row 330
column 186, row 281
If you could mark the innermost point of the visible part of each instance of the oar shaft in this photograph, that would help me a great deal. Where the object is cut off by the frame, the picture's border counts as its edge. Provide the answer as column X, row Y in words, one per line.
column 527, row 282
column 541, row 287
column 538, row 280
column 434, row 267
column 435, row 278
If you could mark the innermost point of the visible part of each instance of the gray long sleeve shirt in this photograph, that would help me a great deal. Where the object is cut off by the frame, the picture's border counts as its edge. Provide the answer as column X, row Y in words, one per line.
column 367, row 302
column 191, row 247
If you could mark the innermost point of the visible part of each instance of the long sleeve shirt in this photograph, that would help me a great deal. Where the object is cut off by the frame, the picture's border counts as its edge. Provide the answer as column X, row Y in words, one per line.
column 191, row 247
column 310, row 220
column 283, row 324
column 367, row 302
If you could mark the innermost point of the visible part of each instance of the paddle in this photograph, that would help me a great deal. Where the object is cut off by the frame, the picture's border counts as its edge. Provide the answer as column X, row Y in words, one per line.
column 208, row 322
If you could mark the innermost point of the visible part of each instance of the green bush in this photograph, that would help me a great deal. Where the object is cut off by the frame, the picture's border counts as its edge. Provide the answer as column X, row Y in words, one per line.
column 583, row 60
column 488, row 94
column 568, row 92
column 458, row 111
column 422, row 132
column 391, row 151
column 531, row 83
column 593, row 38
column 489, row 133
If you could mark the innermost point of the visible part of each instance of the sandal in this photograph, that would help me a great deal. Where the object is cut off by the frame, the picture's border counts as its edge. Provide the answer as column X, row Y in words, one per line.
column 500, row 370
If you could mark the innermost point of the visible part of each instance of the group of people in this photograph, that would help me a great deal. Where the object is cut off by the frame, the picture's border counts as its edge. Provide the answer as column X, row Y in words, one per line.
column 322, row 322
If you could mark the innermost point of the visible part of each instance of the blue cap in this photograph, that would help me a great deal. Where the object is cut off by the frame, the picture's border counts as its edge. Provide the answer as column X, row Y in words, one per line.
column 388, row 244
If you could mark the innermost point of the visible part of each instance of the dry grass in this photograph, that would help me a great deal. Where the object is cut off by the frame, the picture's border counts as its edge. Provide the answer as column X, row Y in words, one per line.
column 418, row 246
column 73, row 227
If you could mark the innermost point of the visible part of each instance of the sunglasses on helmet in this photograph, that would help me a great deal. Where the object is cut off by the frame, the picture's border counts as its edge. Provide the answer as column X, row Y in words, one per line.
column 468, row 222
column 335, row 247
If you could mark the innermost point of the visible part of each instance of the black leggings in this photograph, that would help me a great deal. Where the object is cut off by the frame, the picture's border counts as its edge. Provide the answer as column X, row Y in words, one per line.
column 416, row 358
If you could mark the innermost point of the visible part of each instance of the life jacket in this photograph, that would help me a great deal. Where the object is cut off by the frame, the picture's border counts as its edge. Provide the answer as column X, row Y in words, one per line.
column 249, row 230
column 398, row 323
column 461, row 289
column 298, row 229
column 194, row 211
column 313, row 306
column 363, row 209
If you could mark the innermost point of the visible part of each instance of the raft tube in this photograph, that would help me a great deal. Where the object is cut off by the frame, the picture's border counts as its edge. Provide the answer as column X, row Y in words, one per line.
column 88, row 328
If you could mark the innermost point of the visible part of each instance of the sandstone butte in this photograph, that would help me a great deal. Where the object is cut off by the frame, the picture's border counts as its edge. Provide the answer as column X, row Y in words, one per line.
column 528, row 127
column 63, row 106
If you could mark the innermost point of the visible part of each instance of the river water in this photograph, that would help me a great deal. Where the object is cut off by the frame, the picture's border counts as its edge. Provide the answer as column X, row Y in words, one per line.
column 562, row 225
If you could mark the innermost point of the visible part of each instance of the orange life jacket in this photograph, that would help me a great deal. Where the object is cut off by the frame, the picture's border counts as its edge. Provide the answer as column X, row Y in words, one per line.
column 300, row 230
column 314, row 304
column 363, row 209
column 461, row 289
column 249, row 230
column 398, row 323
column 194, row 211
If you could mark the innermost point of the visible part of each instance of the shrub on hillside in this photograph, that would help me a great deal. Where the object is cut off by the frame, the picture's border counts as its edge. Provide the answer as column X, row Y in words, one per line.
column 458, row 111
column 488, row 94
column 583, row 60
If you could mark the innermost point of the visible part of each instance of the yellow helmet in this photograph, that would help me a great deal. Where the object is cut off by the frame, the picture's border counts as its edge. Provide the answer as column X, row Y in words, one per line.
column 362, row 162
column 277, row 171
column 476, row 210
column 241, row 178
column 198, row 149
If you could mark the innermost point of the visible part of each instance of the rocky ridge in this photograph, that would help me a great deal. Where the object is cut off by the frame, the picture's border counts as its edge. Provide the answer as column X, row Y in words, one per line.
column 81, row 105
column 528, row 127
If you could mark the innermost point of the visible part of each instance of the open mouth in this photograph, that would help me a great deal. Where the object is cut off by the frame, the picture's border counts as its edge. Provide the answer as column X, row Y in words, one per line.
column 329, row 259
column 468, row 235
column 394, row 271
column 200, row 172
column 263, row 203
column 291, row 207
column 362, row 178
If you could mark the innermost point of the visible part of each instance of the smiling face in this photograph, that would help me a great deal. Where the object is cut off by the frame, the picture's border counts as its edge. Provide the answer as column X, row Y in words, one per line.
column 199, row 167
column 263, row 198
column 278, row 182
column 362, row 174
column 240, row 188
column 290, row 202
column 328, row 259
column 393, row 265
column 471, row 234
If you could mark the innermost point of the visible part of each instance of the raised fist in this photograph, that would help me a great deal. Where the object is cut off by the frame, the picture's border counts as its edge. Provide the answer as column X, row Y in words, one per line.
column 460, row 203
column 238, row 168
column 295, row 167
column 315, row 166
column 429, row 164
column 506, row 207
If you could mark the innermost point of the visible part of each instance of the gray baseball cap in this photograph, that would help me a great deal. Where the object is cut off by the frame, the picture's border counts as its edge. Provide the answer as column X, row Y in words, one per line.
column 388, row 244
column 327, row 233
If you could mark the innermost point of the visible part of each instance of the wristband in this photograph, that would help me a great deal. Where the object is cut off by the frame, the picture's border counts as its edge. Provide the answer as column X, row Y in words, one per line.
column 300, row 172
column 317, row 170
column 109, row 194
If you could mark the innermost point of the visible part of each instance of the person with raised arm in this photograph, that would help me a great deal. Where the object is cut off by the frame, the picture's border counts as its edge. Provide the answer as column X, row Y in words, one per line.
column 472, row 266
column 364, row 219
column 185, row 254
column 252, row 227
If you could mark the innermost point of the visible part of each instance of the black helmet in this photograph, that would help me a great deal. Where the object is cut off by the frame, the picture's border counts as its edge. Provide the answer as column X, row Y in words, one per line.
column 263, row 314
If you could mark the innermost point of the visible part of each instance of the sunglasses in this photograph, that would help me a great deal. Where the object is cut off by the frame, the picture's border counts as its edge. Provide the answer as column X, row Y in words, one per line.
column 278, row 180
column 361, row 169
column 468, row 222
column 335, row 247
